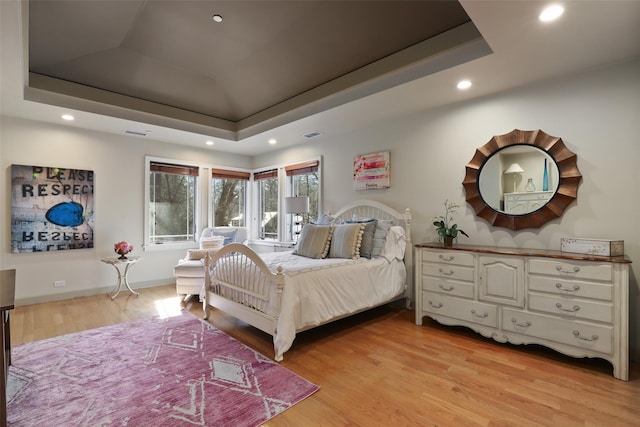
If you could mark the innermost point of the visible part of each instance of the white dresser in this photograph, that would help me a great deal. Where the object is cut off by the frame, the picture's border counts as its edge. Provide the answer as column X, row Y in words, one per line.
column 523, row 203
column 575, row 304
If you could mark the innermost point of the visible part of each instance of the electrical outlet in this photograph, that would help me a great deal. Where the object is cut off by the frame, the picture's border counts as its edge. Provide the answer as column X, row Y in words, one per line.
column 58, row 283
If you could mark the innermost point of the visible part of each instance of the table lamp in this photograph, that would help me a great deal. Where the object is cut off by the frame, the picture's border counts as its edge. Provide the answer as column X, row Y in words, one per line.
column 297, row 206
column 513, row 169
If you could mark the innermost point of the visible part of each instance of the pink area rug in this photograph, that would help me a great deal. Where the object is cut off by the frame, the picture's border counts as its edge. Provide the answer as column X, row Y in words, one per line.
column 178, row 371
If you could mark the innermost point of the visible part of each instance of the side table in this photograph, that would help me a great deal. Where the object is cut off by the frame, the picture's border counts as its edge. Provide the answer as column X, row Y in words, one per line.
column 122, row 282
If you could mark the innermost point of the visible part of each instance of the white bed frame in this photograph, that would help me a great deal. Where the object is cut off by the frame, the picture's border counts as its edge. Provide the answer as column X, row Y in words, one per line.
column 246, row 297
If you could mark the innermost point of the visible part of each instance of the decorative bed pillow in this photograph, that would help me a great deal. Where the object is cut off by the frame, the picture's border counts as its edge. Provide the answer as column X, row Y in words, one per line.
column 196, row 254
column 229, row 235
column 324, row 219
column 215, row 242
column 367, row 236
column 395, row 244
column 346, row 241
column 379, row 236
column 314, row 241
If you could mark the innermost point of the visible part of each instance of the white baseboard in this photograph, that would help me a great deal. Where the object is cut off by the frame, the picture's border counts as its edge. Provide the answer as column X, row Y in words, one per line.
column 89, row 292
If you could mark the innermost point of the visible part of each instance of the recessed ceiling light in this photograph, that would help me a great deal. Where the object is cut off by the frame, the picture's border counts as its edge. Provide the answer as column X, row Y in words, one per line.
column 209, row 142
column 68, row 117
column 464, row 84
column 272, row 141
column 551, row 13
column 217, row 18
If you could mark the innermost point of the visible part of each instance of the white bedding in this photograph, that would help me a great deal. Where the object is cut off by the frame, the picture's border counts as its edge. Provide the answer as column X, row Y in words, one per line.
column 316, row 292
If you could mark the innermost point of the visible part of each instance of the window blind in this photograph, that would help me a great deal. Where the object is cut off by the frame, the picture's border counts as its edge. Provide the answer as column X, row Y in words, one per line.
column 174, row 169
column 273, row 173
column 229, row 174
column 302, row 168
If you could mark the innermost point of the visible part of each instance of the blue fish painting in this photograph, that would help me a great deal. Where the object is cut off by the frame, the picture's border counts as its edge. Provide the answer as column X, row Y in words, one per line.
column 66, row 214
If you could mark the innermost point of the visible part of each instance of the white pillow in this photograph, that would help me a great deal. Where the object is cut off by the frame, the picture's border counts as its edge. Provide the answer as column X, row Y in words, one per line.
column 324, row 219
column 395, row 244
column 213, row 242
column 196, row 254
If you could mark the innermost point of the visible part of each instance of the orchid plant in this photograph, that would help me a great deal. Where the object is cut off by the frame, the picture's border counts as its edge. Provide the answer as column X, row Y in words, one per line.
column 443, row 223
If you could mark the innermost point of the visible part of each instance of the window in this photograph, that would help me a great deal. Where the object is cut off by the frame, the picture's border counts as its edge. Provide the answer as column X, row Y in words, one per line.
column 303, row 180
column 228, row 196
column 172, row 202
column 267, row 209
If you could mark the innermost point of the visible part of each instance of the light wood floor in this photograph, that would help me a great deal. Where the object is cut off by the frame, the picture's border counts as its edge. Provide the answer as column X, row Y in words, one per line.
column 380, row 369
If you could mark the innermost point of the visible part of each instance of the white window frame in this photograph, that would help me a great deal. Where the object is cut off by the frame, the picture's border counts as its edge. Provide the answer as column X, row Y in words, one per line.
column 247, row 196
column 200, row 201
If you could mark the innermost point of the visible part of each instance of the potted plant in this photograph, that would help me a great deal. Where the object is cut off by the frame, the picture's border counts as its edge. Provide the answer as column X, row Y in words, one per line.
column 446, row 230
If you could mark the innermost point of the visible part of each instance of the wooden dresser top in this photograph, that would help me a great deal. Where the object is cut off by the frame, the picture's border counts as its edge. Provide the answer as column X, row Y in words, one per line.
column 526, row 252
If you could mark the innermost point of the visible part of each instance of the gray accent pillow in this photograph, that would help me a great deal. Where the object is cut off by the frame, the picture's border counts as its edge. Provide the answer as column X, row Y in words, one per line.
column 346, row 241
column 366, row 246
column 314, row 241
column 379, row 236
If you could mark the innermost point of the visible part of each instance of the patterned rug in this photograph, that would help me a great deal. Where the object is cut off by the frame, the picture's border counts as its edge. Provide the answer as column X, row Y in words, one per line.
column 178, row 371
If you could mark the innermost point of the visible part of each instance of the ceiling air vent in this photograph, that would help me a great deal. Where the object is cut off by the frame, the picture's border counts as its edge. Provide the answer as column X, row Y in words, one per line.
column 312, row 134
column 136, row 133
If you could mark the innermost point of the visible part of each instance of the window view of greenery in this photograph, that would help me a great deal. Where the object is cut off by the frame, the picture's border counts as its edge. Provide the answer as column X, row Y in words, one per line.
column 307, row 185
column 229, row 202
column 172, row 207
column 268, row 208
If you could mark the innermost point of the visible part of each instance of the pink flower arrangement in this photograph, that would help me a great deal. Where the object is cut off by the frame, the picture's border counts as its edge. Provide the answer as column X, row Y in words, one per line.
column 122, row 248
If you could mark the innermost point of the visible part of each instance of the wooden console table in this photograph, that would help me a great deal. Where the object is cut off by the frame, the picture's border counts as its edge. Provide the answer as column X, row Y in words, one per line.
column 575, row 304
column 7, row 297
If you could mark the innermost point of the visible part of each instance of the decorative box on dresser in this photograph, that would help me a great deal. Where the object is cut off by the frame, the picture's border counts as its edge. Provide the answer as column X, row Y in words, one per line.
column 575, row 304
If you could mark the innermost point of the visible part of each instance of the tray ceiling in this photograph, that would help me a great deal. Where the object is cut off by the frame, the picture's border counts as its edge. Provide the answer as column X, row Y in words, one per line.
column 266, row 63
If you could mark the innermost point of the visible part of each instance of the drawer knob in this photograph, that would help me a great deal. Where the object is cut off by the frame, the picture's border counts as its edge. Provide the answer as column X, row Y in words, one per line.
column 521, row 325
column 580, row 337
column 575, row 288
column 480, row 316
column 446, row 273
column 568, row 309
column 446, row 289
column 438, row 305
column 446, row 258
column 563, row 271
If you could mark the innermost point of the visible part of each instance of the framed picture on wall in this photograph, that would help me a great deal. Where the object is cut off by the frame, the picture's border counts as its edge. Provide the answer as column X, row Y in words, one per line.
column 371, row 171
column 51, row 209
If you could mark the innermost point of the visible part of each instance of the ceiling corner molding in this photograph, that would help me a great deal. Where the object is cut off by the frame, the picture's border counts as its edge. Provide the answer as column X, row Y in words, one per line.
column 61, row 93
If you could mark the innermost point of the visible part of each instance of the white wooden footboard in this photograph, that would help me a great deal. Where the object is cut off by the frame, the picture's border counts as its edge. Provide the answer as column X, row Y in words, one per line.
column 238, row 282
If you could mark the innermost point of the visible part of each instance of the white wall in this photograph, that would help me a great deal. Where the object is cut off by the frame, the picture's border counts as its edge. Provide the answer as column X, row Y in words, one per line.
column 596, row 113
column 119, row 166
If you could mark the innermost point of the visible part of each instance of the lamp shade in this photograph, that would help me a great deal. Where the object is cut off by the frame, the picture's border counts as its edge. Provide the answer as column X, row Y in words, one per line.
column 514, row 168
column 296, row 205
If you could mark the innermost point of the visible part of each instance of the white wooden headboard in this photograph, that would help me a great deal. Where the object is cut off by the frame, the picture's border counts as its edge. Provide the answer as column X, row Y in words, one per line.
column 374, row 209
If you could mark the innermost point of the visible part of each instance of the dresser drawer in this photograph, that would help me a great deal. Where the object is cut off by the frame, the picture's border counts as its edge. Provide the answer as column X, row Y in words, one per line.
column 577, row 288
column 455, row 272
column 449, row 257
column 572, row 308
column 575, row 270
column 470, row 311
column 575, row 333
column 448, row 286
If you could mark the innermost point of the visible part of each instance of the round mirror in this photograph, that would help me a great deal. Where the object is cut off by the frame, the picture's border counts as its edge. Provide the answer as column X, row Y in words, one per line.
column 518, row 179
column 522, row 179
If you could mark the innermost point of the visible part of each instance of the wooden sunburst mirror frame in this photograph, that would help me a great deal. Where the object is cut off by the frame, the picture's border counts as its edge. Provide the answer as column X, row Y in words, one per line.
column 567, row 191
